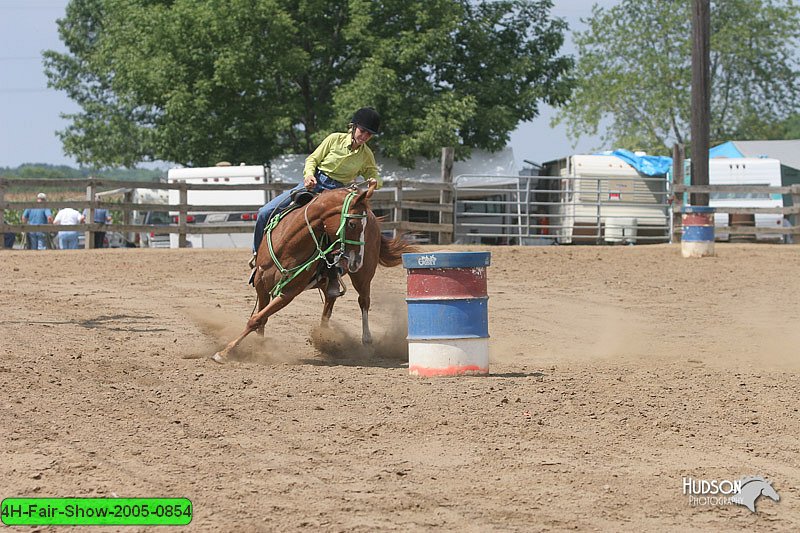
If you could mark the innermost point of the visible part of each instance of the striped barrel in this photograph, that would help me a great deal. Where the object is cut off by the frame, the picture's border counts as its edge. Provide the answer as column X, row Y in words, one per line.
column 448, row 331
column 698, row 231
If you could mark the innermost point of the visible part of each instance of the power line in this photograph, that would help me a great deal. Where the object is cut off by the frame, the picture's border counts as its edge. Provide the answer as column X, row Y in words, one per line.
column 24, row 90
column 30, row 7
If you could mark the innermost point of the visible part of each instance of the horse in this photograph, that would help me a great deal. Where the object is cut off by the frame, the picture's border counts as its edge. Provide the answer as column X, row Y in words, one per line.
column 752, row 488
column 336, row 228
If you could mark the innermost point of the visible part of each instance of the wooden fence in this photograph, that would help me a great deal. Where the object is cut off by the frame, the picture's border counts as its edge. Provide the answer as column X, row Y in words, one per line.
column 395, row 201
column 741, row 230
column 430, row 203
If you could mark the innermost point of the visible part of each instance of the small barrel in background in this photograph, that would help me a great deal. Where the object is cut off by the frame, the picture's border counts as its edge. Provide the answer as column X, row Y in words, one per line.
column 746, row 220
column 448, row 332
column 698, row 231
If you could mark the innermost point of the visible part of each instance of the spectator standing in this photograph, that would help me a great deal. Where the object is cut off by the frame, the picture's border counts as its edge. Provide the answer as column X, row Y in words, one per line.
column 9, row 237
column 788, row 238
column 37, row 216
column 68, row 240
column 101, row 216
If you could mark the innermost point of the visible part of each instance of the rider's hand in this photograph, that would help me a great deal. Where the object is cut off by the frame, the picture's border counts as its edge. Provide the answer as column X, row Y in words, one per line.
column 310, row 182
column 372, row 182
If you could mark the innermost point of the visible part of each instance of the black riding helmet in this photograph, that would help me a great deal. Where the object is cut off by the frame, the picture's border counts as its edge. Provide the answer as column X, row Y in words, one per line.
column 368, row 119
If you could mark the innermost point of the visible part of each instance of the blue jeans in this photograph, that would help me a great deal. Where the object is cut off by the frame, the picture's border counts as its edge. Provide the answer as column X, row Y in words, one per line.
column 68, row 240
column 279, row 203
column 37, row 241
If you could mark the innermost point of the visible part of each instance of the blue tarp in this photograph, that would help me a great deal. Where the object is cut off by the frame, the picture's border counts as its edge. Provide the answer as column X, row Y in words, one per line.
column 656, row 165
column 649, row 165
column 727, row 149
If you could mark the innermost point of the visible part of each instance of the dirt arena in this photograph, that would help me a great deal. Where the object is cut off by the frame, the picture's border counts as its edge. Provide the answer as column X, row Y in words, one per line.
column 616, row 373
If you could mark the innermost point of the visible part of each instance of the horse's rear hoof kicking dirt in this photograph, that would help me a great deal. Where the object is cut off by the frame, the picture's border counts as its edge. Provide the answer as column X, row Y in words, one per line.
column 336, row 229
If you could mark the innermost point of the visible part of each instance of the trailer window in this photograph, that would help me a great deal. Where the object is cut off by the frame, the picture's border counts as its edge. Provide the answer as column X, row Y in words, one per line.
column 157, row 217
column 741, row 195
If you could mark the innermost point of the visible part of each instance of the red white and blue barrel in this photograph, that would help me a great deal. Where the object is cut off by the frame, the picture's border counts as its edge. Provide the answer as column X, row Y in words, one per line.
column 698, row 231
column 448, row 319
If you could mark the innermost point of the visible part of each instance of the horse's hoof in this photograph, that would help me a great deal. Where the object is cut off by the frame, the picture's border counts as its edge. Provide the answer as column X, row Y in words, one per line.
column 219, row 358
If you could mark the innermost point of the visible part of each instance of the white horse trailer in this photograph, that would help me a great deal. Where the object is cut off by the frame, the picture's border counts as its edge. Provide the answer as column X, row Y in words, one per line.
column 745, row 171
column 255, row 175
column 602, row 199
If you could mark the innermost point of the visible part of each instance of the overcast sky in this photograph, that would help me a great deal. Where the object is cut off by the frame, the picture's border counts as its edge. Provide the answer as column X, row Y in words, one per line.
column 30, row 112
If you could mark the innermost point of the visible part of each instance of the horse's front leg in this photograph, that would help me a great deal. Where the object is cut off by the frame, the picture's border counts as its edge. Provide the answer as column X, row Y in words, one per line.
column 366, row 334
column 327, row 310
column 361, row 283
column 263, row 299
column 255, row 321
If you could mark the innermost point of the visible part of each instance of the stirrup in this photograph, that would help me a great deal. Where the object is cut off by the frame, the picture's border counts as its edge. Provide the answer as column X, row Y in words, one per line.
column 252, row 262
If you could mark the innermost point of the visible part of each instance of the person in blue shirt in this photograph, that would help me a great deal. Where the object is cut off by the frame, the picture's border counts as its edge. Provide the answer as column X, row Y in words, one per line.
column 37, row 215
column 101, row 216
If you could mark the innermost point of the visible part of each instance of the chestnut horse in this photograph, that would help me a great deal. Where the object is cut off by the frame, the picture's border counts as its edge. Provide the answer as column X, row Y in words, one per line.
column 336, row 227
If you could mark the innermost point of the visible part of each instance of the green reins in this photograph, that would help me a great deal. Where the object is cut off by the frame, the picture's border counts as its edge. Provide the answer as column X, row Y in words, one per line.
column 289, row 274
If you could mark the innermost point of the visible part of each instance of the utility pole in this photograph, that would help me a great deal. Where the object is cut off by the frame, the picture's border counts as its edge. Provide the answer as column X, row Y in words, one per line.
column 446, row 196
column 701, row 95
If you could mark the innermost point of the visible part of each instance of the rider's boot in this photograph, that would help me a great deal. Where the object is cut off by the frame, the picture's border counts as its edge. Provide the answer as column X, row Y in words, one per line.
column 335, row 287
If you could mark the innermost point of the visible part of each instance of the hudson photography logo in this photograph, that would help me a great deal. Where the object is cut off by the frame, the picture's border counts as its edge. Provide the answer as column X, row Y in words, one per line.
column 744, row 491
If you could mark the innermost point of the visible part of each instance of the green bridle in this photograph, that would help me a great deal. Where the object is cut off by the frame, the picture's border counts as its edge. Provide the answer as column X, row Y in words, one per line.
column 288, row 274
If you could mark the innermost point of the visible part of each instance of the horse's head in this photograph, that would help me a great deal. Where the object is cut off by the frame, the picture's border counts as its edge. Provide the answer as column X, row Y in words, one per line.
column 769, row 491
column 751, row 488
column 346, row 223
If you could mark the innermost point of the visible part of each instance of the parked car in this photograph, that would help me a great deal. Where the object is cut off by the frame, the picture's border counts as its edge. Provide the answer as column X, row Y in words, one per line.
column 152, row 239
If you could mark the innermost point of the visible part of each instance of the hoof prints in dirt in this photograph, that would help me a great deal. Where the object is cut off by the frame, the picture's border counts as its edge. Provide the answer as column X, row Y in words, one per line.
column 339, row 347
column 96, row 323
column 104, row 322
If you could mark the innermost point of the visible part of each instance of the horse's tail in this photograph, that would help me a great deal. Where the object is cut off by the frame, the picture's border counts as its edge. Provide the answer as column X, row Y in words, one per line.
column 392, row 251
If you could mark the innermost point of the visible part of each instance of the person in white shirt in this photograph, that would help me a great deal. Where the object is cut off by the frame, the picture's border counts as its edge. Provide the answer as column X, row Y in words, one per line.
column 68, row 240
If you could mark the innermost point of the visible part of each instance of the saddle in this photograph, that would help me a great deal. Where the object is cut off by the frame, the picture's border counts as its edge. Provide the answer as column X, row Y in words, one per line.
column 298, row 199
column 301, row 197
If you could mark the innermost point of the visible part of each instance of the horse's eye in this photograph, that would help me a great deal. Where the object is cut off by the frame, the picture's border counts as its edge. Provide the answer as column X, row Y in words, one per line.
column 351, row 224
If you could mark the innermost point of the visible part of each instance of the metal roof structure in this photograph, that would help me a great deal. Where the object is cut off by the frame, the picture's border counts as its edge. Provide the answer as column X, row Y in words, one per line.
column 787, row 152
column 289, row 168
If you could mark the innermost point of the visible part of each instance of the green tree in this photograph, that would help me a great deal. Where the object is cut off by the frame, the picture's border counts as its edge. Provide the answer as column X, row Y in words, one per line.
column 785, row 129
column 634, row 72
column 196, row 82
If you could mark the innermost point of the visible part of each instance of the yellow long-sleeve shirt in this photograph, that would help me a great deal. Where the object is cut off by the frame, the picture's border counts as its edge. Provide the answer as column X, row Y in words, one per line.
column 334, row 157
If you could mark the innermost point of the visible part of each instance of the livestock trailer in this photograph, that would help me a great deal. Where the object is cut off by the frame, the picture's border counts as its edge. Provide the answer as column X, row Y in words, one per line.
column 596, row 199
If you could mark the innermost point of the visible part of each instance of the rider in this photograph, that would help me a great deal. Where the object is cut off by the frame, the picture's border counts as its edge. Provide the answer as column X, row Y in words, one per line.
column 336, row 162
